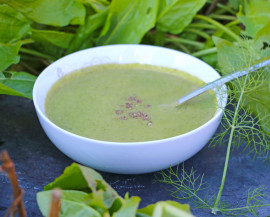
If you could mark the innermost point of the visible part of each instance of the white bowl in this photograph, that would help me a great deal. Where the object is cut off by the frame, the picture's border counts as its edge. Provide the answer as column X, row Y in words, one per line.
column 134, row 157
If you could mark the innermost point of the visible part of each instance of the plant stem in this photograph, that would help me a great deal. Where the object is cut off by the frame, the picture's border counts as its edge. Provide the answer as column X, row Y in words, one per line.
column 247, row 207
column 232, row 23
column 9, row 167
column 212, row 7
column 36, row 53
column 27, row 41
column 202, row 26
column 55, row 203
column 182, row 47
column 205, row 52
column 219, row 26
column 198, row 32
column 215, row 208
column 228, row 9
column 185, row 41
column 223, row 17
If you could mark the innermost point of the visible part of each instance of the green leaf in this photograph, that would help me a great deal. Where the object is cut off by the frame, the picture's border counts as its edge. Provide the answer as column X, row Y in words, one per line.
column 85, row 31
column 175, row 15
column 97, row 5
column 258, row 100
column 17, row 84
column 55, row 13
column 72, row 204
column 230, row 56
column 13, row 24
column 166, row 208
column 263, row 35
column 60, row 39
column 9, row 54
column 235, row 3
column 129, row 208
column 233, row 57
column 256, row 15
column 76, row 177
column 128, row 21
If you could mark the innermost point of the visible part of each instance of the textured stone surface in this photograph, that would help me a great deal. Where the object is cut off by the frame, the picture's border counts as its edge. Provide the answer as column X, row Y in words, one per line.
column 39, row 162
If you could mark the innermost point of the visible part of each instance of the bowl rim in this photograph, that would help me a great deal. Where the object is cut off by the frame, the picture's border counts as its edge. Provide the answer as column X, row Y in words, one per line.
column 216, row 116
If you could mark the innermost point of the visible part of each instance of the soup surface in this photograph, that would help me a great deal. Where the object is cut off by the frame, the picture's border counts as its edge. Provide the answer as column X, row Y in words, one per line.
column 128, row 103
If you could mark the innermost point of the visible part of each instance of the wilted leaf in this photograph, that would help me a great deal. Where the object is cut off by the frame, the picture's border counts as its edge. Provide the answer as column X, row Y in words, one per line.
column 175, row 15
column 55, row 13
column 13, row 24
column 128, row 21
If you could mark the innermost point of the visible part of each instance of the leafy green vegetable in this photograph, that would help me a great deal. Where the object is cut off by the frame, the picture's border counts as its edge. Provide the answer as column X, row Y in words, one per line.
column 55, row 13
column 168, row 208
column 129, row 208
column 13, row 24
column 97, row 5
column 263, row 35
column 175, row 15
column 9, row 54
column 256, row 99
column 85, row 31
column 72, row 204
column 256, row 15
column 128, row 21
column 102, row 200
column 17, row 84
column 76, row 177
column 60, row 39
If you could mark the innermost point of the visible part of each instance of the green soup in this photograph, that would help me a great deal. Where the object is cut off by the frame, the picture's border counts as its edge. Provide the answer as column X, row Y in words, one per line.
column 127, row 103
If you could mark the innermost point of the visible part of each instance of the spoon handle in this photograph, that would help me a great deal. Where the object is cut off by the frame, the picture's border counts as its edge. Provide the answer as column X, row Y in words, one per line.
column 219, row 82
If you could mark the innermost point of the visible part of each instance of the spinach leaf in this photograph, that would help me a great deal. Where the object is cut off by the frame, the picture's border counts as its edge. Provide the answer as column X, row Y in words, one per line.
column 17, row 84
column 263, row 36
column 166, row 208
column 97, row 5
column 129, row 208
column 84, row 32
column 72, row 204
column 9, row 54
column 50, row 12
column 128, row 21
column 77, row 177
column 60, row 39
column 175, row 15
column 102, row 200
column 256, row 15
column 13, row 24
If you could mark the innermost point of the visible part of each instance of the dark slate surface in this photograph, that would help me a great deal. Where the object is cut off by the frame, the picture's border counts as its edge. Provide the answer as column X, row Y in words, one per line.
column 39, row 162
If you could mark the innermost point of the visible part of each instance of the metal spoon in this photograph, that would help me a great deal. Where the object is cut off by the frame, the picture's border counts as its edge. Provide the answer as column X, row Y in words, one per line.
column 219, row 82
